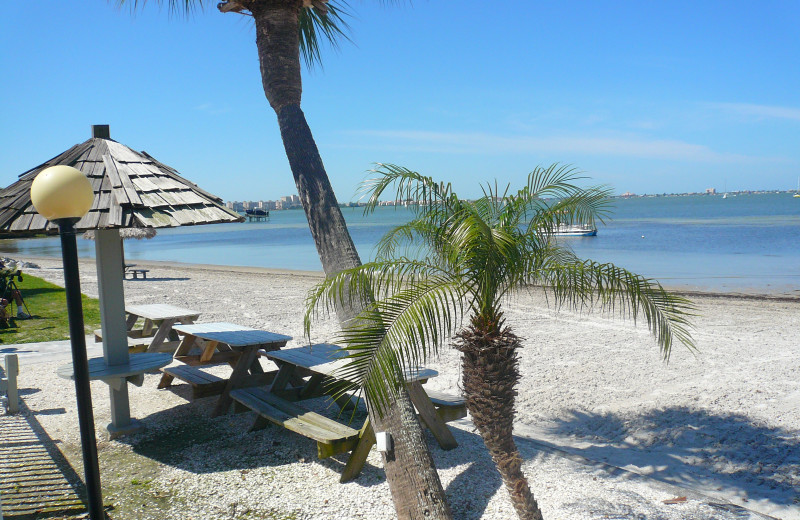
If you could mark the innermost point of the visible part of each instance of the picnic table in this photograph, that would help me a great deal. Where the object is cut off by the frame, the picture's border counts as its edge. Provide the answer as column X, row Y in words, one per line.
column 135, row 271
column 310, row 370
column 215, row 344
column 159, row 319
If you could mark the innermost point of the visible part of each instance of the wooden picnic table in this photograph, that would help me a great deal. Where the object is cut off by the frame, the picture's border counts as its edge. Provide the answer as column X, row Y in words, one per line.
column 220, row 343
column 160, row 315
column 321, row 364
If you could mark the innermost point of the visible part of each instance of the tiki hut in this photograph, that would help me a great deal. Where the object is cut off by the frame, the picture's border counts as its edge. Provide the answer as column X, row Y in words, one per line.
column 132, row 190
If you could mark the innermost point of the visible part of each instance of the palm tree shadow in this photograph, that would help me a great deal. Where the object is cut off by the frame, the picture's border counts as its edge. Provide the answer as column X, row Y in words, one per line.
column 469, row 500
column 693, row 448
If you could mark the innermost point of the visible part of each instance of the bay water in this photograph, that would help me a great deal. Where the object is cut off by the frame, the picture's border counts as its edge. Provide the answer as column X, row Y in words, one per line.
column 742, row 243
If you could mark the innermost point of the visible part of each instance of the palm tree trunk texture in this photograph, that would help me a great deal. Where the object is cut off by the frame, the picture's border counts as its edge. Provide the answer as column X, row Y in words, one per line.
column 416, row 489
column 490, row 374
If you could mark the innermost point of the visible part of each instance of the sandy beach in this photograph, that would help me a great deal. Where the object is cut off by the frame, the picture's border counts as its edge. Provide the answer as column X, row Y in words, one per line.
column 607, row 429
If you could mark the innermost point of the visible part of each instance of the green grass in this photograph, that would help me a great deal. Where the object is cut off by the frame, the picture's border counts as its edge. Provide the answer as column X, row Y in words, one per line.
column 47, row 304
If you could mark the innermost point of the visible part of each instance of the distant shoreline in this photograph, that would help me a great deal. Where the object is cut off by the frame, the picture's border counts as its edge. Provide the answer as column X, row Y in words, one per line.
column 752, row 294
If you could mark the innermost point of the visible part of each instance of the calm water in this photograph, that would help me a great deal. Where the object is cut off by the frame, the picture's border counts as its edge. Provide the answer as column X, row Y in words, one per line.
column 746, row 242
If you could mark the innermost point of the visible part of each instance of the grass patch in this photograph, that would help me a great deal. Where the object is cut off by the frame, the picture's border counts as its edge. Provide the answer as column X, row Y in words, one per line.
column 48, row 307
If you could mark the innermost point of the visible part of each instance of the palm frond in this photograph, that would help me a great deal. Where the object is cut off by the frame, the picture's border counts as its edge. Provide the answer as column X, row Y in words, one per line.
column 426, row 194
column 322, row 21
column 178, row 7
column 418, row 313
column 583, row 284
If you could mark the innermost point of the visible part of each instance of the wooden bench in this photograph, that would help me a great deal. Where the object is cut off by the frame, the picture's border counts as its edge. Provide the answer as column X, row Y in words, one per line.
column 138, row 342
column 449, row 407
column 332, row 437
column 116, row 376
column 203, row 384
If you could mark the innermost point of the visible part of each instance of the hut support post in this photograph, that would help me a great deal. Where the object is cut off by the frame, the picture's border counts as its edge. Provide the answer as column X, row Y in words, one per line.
column 108, row 251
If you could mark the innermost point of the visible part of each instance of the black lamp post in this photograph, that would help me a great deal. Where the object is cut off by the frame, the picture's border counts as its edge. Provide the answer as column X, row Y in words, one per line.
column 63, row 195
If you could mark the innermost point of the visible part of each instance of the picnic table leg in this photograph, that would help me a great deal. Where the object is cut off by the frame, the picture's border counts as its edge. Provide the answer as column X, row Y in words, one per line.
column 249, row 355
column 147, row 328
column 183, row 349
column 310, row 388
column 285, row 372
column 208, row 351
column 427, row 412
column 130, row 321
column 366, row 439
column 186, row 320
column 161, row 334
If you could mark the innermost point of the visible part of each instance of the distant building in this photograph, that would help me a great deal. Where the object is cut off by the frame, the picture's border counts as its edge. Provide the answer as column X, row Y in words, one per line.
column 286, row 202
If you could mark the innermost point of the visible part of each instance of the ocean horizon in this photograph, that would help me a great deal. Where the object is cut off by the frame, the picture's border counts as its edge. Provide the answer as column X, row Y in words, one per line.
column 743, row 243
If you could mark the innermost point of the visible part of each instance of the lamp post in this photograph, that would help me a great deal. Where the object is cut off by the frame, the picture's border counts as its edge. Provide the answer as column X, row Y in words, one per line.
column 63, row 195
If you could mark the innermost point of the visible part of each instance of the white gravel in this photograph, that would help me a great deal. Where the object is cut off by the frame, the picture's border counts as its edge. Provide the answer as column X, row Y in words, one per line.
column 724, row 422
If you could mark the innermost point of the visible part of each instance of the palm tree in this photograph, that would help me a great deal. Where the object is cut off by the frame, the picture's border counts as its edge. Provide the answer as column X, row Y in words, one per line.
column 285, row 30
column 446, row 273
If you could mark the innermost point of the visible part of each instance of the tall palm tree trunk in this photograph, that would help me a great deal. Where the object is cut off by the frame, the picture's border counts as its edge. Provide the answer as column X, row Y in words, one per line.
column 490, row 374
column 416, row 489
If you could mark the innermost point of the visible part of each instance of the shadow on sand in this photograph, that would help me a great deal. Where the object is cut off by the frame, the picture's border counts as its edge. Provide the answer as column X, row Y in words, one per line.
column 695, row 449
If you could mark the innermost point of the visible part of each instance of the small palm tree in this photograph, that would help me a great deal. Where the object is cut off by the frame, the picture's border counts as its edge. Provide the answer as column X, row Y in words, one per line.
column 444, row 275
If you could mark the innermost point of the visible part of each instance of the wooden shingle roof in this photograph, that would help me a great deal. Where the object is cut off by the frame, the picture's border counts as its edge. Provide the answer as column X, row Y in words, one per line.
column 131, row 190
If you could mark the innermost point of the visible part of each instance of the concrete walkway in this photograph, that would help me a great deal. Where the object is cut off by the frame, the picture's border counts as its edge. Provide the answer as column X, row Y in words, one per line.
column 48, row 351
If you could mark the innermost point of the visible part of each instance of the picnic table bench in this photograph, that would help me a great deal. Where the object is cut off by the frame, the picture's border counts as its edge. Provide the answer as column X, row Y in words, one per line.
column 331, row 436
column 320, row 364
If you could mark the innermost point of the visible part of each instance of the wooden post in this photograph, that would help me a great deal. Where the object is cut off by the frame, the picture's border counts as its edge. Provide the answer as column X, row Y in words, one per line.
column 12, row 392
column 108, row 252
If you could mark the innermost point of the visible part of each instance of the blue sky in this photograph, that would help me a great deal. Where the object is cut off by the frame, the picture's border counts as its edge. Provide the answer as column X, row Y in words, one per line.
column 648, row 97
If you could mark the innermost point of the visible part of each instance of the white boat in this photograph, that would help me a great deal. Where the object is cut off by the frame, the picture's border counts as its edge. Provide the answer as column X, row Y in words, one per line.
column 575, row 230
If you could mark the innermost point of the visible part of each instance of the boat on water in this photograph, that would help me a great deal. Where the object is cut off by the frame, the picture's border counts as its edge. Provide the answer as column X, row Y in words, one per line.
column 575, row 230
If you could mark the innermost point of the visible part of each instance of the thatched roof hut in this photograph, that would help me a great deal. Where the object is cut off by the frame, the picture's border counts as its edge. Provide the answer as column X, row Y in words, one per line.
column 132, row 190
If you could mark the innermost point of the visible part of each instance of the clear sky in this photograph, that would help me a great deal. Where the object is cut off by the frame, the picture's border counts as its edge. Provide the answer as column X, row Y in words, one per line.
column 648, row 97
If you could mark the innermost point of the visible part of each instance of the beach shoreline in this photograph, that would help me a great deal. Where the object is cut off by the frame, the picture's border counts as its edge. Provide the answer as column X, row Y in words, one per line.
column 787, row 293
column 722, row 422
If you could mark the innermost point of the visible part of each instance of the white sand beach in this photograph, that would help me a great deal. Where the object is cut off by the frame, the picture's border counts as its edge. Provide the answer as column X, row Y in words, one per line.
column 720, row 427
